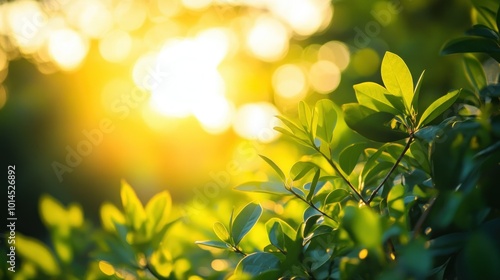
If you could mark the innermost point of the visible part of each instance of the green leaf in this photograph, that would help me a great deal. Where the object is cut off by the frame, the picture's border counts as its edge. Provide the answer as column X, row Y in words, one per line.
column 132, row 206
column 221, row 231
column 482, row 31
column 374, row 96
column 474, row 72
column 263, row 187
column 363, row 226
column 296, row 130
column 486, row 12
column 256, row 264
column 372, row 125
column 336, row 196
column 38, row 253
column 244, row 221
column 276, row 236
column 314, row 183
column 292, row 136
column 213, row 244
column 275, row 167
column 416, row 94
column 305, row 115
column 498, row 19
column 438, row 107
column 158, row 211
column 472, row 45
column 326, row 119
column 395, row 201
column 397, row 78
column 348, row 158
column 300, row 169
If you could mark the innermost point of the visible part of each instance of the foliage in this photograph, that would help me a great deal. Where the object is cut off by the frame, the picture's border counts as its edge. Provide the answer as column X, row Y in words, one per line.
column 418, row 209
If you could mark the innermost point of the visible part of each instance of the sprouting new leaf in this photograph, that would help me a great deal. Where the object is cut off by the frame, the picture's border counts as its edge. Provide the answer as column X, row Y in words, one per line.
column 275, row 167
column 397, row 78
column 438, row 107
column 474, row 72
column 349, row 156
column 264, row 187
column 374, row 96
column 244, row 221
column 221, row 231
column 326, row 119
column 416, row 94
column 134, row 211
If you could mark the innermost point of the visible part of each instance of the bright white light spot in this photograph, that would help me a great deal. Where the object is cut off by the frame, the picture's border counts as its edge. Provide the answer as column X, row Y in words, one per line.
column 94, row 18
column 215, row 115
column 305, row 17
column 268, row 39
column 130, row 15
column 145, row 73
column 324, row 76
column 196, row 4
column 115, row 46
column 336, row 52
column 256, row 121
column 67, row 48
column 289, row 81
column 25, row 21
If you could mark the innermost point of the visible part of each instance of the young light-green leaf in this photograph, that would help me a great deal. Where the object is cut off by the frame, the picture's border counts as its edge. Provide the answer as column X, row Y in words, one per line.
column 244, row 221
column 438, row 107
column 397, row 78
column 305, row 115
column 275, row 167
column 416, row 94
column 349, row 156
column 221, row 231
column 326, row 119
column 474, row 72
column 374, row 96
column 314, row 183
column 213, row 244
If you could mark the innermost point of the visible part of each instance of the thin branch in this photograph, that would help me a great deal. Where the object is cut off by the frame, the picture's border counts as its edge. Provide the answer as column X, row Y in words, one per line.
column 237, row 250
column 336, row 168
column 422, row 218
column 372, row 196
column 310, row 204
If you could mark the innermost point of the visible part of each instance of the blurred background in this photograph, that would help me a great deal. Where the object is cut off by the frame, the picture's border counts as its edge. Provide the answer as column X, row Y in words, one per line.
column 181, row 94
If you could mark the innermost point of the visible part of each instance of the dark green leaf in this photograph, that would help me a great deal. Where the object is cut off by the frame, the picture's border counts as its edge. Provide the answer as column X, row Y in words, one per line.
column 472, row 45
column 474, row 72
column 397, row 78
column 264, row 187
column 372, row 125
column 438, row 107
column 244, row 221
column 482, row 31
column 349, row 156
column 214, row 244
column 276, row 236
column 275, row 167
column 257, row 263
column 326, row 119
column 314, row 183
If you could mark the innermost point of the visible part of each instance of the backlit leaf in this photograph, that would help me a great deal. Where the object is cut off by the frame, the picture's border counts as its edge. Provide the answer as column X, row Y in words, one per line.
column 326, row 119
column 244, row 221
column 438, row 107
column 397, row 78
column 275, row 167
column 263, row 187
column 474, row 72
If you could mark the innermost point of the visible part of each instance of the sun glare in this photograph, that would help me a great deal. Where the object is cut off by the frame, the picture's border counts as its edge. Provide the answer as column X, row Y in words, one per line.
column 67, row 47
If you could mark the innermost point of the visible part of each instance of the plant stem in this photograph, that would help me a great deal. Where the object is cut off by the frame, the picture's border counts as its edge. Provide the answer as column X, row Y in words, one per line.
column 335, row 167
column 310, row 204
column 372, row 196
column 424, row 216
column 237, row 250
